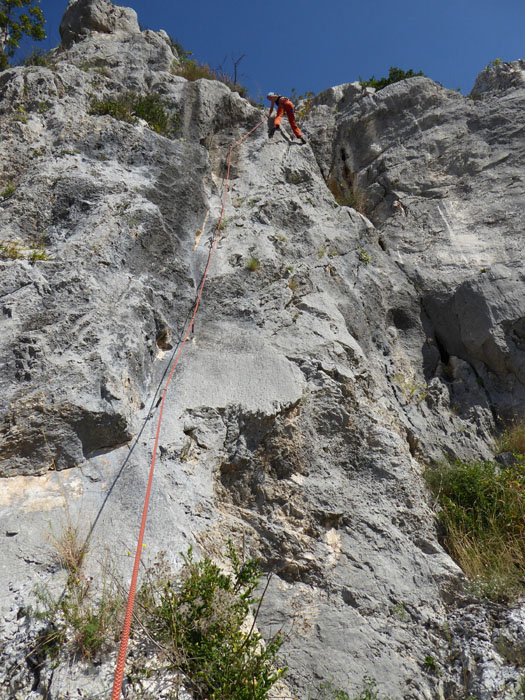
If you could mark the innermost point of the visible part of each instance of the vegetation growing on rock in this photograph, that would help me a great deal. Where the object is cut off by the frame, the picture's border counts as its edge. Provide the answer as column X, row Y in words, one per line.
column 130, row 106
column 192, row 69
column 482, row 509
column 18, row 18
column 394, row 76
column 199, row 625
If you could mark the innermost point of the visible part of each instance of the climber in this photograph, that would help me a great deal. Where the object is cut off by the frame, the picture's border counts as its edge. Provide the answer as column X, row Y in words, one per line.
column 284, row 105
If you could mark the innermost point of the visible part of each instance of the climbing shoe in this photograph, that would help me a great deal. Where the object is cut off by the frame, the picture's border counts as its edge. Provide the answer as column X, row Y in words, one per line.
column 303, row 140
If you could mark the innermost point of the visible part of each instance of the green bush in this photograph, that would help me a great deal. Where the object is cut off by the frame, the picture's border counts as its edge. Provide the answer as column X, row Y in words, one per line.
column 203, row 628
column 483, row 514
column 151, row 109
column 394, row 76
column 130, row 106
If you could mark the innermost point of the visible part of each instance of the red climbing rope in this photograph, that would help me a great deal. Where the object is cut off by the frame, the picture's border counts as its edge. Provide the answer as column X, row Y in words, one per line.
column 121, row 660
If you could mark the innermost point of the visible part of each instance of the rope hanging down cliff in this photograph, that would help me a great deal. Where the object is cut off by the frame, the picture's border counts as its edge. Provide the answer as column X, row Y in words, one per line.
column 121, row 660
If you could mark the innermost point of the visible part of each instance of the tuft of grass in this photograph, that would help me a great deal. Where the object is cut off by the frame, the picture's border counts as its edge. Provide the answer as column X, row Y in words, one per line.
column 8, row 190
column 364, row 256
column 130, row 106
column 84, row 620
column 430, row 664
column 513, row 439
column 483, row 515
column 20, row 114
column 70, row 548
column 348, row 195
column 12, row 250
column 293, row 285
column 38, row 250
column 253, row 264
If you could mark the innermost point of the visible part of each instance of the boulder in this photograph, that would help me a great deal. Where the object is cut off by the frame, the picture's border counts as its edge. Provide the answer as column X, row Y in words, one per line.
column 84, row 16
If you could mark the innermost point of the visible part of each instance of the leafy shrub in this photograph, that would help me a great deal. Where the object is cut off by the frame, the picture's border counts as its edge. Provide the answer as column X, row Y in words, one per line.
column 202, row 626
column 197, row 625
column 365, row 257
column 394, row 76
column 493, row 64
column 151, row 109
column 130, row 106
column 483, row 514
column 412, row 390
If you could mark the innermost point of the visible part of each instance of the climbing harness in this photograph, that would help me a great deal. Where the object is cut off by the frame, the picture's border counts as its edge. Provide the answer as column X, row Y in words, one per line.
column 121, row 659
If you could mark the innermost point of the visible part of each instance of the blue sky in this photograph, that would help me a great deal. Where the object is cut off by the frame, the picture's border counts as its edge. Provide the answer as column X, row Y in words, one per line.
column 312, row 45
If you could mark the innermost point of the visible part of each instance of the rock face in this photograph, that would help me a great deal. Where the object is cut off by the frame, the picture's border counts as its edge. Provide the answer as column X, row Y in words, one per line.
column 315, row 386
column 83, row 17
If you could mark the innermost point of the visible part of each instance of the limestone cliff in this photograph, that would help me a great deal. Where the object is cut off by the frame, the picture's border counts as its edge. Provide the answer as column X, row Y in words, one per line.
column 315, row 387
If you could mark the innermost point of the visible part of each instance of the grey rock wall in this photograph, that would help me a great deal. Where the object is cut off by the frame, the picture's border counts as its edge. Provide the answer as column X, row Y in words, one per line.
column 313, row 390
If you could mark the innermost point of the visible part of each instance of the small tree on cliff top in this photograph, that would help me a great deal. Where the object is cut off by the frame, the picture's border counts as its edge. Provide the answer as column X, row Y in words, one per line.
column 18, row 18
